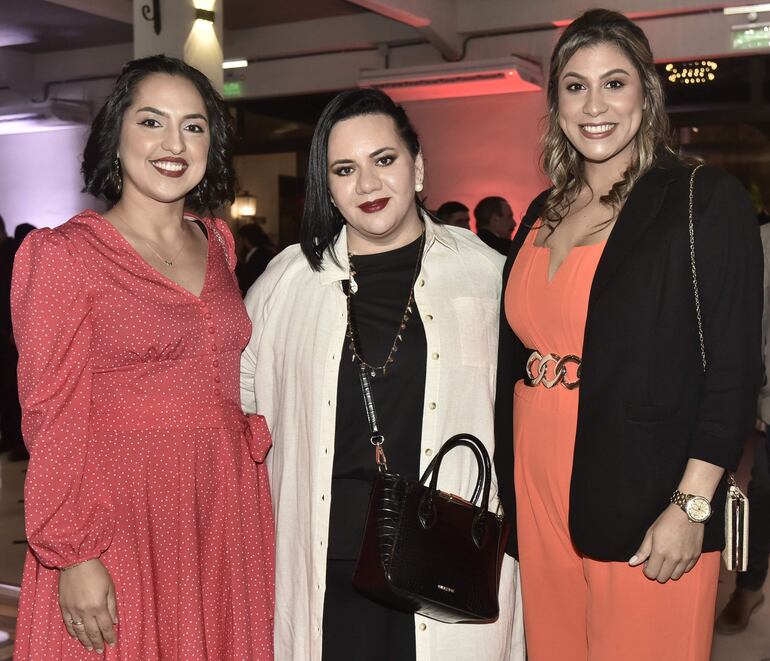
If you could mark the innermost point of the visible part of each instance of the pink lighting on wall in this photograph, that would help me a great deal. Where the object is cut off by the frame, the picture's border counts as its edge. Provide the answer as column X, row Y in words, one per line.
column 479, row 146
column 454, row 80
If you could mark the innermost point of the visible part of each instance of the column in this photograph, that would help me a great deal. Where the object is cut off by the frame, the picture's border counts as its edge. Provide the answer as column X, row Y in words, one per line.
column 182, row 29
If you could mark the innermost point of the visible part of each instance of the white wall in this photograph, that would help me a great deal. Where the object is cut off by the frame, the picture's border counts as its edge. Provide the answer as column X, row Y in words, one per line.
column 40, row 179
column 480, row 146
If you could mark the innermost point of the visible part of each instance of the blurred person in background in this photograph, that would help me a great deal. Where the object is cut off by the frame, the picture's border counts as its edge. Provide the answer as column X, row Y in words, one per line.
column 258, row 251
column 495, row 223
column 454, row 213
column 748, row 596
column 10, row 413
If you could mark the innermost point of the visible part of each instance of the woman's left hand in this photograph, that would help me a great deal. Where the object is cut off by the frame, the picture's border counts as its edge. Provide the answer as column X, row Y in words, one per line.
column 671, row 546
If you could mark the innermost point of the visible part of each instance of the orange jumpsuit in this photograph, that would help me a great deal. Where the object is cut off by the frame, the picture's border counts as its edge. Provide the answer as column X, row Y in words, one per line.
column 575, row 608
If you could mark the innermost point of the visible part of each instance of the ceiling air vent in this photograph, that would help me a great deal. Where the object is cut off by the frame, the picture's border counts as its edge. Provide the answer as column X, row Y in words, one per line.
column 46, row 116
column 456, row 79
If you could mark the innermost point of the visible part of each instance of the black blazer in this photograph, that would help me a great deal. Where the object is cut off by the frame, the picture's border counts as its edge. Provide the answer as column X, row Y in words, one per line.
column 645, row 405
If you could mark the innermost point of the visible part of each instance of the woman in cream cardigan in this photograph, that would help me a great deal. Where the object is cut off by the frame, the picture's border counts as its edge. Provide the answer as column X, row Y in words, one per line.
column 423, row 301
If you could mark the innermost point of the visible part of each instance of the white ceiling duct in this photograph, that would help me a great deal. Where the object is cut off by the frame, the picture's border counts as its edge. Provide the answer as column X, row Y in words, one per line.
column 46, row 116
column 456, row 79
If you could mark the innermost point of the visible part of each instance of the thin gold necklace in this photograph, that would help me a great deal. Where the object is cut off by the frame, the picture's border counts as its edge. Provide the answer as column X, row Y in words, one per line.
column 352, row 330
column 167, row 262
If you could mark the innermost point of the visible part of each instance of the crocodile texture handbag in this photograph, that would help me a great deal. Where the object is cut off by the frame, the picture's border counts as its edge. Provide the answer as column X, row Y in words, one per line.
column 426, row 551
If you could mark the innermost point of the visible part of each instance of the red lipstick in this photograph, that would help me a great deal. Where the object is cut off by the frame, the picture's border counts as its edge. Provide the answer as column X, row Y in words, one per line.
column 171, row 166
column 375, row 205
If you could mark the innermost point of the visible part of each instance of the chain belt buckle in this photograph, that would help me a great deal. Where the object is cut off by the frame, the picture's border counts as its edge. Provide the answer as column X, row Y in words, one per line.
column 559, row 371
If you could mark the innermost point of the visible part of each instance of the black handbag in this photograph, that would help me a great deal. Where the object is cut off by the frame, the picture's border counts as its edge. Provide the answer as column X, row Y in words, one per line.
column 429, row 552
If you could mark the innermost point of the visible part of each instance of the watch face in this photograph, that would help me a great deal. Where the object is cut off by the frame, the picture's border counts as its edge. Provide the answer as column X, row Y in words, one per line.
column 698, row 509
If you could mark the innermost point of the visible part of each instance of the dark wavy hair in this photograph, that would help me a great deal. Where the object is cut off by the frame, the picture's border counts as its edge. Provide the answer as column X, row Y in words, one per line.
column 102, row 178
column 321, row 220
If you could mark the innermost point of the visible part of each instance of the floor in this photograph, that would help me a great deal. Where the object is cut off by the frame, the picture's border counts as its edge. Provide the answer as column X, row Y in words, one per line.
column 750, row 645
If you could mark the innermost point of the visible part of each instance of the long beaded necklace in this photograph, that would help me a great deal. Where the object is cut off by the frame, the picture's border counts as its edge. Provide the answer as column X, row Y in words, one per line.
column 352, row 331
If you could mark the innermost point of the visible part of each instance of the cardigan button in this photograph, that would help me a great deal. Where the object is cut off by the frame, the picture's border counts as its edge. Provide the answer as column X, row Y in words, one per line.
column 432, row 406
column 435, row 356
column 422, row 626
column 429, row 317
column 428, row 452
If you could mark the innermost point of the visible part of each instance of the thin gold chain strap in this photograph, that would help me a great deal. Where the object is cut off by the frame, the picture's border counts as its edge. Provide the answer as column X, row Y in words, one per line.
column 694, row 270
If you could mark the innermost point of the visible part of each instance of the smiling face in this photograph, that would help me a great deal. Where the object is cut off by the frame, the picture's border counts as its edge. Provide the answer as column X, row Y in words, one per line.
column 164, row 139
column 372, row 179
column 601, row 102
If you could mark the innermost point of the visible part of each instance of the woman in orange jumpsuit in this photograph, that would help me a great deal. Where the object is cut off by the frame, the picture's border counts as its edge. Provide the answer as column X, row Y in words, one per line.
column 620, row 438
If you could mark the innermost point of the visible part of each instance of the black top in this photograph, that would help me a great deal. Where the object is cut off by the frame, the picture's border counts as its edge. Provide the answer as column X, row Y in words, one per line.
column 503, row 246
column 645, row 406
column 249, row 270
column 384, row 281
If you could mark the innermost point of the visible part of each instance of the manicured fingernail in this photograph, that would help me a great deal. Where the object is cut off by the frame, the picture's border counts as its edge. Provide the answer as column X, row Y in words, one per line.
column 633, row 560
column 100, row 651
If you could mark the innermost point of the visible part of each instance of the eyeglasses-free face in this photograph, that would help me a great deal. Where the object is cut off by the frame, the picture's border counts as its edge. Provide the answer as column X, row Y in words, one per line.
column 601, row 103
column 372, row 178
column 164, row 139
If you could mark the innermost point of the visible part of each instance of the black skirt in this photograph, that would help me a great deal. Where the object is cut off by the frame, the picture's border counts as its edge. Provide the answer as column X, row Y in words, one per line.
column 358, row 629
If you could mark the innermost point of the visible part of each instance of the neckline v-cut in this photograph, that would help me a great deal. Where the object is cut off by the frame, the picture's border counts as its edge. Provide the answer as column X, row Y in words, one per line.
column 551, row 277
column 135, row 253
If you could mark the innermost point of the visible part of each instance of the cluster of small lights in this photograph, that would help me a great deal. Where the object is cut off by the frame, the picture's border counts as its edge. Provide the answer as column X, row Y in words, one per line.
column 692, row 73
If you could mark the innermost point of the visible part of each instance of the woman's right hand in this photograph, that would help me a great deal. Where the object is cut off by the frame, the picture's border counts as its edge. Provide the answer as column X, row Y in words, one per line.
column 88, row 605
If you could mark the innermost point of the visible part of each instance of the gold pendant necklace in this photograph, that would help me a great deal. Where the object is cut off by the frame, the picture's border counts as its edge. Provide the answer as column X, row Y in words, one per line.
column 167, row 262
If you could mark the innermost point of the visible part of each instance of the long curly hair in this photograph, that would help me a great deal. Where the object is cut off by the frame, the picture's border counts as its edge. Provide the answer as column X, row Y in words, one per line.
column 560, row 160
column 102, row 177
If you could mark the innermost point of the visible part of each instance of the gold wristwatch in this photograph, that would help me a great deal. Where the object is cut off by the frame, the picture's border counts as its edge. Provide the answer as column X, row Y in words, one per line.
column 697, row 508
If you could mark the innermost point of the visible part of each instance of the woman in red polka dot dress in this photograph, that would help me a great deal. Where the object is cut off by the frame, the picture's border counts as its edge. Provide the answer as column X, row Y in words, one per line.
column 148, row 512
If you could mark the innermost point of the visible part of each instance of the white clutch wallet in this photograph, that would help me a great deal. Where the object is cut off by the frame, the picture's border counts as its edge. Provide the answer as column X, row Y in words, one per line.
column 736, row 553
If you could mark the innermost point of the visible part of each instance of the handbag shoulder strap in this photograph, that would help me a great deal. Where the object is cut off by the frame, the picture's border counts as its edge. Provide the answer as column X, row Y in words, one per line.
column 693, row 268
column 376, row 438
column 730, row 475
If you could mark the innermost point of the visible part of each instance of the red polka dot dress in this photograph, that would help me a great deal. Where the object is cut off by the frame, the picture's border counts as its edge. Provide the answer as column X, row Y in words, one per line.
column 140, row 454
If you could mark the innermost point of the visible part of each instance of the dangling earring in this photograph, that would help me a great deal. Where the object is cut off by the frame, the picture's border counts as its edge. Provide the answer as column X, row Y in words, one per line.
column 198, row 190
column 418, row 187
column 116, row 174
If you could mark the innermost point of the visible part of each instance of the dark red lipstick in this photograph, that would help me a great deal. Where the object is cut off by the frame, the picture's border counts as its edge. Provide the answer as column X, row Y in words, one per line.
column 170, row 166
column 375, row 205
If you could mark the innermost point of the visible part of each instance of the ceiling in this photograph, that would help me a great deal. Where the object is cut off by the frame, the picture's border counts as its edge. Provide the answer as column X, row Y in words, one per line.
column 38, row 26
column 257, row 13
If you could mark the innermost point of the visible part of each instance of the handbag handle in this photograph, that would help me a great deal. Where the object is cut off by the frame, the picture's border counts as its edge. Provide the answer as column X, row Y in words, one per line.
column 427, row 510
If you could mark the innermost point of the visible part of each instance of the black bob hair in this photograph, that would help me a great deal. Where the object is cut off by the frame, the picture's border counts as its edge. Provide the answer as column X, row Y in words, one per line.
column 321, row 220
column 99, row 172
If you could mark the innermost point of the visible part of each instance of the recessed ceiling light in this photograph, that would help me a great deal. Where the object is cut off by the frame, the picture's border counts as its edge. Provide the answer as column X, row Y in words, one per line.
column 235, row 64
